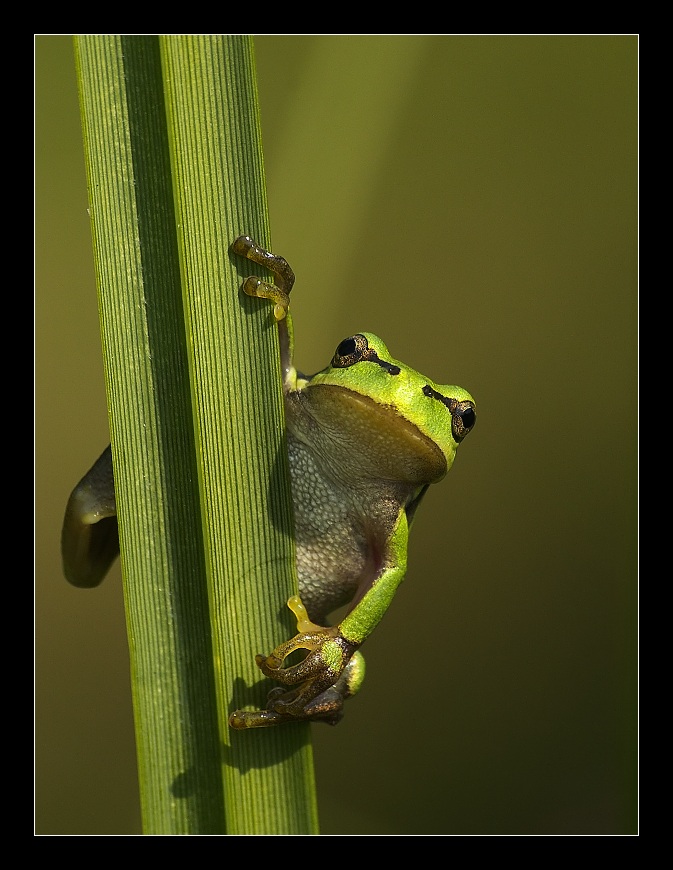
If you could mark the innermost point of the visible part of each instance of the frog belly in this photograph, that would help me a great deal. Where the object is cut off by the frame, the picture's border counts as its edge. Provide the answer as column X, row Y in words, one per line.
column 330, row 538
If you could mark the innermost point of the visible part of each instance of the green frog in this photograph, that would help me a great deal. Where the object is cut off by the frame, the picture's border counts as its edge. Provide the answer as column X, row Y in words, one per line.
column 366, row 436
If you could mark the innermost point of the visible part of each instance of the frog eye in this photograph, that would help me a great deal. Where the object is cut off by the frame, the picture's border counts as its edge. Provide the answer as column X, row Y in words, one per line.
column 350, row 351
column 463, row 415
column 356, row 349
column 463, row 418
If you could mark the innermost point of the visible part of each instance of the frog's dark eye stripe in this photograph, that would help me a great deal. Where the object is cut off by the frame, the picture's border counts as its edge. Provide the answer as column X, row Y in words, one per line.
column 463, row 415
column 356, row 349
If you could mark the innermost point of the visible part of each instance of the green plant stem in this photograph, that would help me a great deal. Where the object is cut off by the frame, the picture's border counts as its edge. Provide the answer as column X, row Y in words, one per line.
column 175, row 172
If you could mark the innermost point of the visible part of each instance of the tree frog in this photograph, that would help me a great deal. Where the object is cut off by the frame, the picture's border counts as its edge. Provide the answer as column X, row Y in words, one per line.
column 366, row 436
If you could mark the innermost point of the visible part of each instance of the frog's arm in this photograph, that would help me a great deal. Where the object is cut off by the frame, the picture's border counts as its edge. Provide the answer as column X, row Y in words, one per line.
column 278, row 293
column 333, row 668
column 90, row 538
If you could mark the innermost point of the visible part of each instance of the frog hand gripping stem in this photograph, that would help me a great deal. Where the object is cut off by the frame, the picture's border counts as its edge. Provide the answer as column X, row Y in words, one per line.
column 366, row 437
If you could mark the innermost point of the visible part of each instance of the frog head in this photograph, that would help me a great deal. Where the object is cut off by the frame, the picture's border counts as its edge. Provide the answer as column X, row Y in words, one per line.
column 397, row 423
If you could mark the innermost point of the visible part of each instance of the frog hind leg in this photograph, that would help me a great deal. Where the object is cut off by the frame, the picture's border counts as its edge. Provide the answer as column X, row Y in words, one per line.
column 326, row 707
column 315, row 688
column 90, row 537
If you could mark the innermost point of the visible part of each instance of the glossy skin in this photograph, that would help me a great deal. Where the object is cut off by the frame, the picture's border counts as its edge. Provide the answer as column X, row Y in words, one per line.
column 366, row 436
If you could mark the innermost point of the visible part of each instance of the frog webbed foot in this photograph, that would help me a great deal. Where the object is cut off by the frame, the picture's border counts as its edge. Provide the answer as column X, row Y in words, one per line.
column 331, row 672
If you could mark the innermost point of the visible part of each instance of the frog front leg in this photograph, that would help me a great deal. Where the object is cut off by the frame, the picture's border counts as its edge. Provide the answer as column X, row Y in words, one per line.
column 333, row 669
column 278, row 293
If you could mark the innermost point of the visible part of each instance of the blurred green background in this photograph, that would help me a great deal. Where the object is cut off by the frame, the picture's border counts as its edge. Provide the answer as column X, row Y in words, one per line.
column 472, row 200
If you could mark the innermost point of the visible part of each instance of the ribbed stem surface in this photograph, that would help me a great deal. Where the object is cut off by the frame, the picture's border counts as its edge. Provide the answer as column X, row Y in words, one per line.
column 175, row 173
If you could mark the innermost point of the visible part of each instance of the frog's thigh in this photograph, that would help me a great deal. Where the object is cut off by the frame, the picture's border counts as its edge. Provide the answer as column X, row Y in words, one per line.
column 90, row 537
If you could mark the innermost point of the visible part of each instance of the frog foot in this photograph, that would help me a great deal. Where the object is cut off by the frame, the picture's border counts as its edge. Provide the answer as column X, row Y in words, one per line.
column 331, row 672
column 279, row 292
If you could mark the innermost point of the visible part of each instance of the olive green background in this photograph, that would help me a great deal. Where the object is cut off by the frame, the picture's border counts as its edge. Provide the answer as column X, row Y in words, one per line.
column 472, row 200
